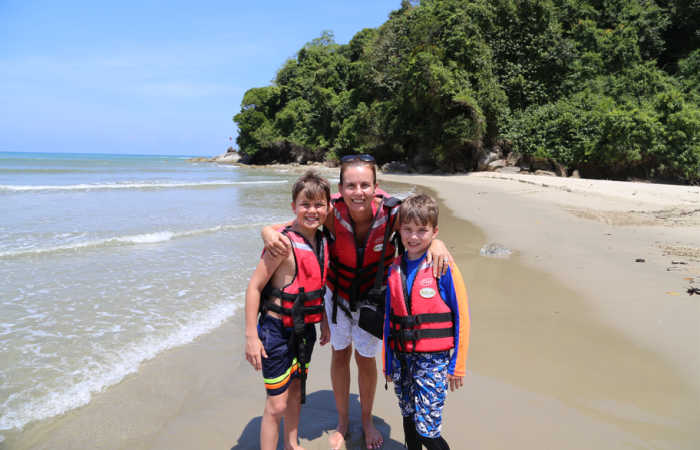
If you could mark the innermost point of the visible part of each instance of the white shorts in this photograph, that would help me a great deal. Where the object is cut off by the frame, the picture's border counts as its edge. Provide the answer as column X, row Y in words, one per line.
column 346, row 331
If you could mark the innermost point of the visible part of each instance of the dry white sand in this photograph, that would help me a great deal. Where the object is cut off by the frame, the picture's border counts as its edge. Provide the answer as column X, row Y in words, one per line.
column 625, row 345
column 574, row 344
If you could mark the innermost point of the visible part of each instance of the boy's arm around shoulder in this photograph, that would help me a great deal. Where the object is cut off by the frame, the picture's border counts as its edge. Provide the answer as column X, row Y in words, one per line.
column 266, row 268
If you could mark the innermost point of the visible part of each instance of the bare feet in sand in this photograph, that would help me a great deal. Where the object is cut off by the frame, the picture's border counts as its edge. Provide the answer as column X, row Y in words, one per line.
column 373, row 438
column 337, row 438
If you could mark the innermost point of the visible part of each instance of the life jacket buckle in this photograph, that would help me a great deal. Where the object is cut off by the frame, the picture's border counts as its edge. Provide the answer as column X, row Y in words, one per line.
column 298, row 313
column 410, row 321
column 410, row 335
column 377, row 296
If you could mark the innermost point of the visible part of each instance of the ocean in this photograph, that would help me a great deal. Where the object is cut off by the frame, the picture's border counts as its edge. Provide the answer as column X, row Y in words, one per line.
column 108, row 260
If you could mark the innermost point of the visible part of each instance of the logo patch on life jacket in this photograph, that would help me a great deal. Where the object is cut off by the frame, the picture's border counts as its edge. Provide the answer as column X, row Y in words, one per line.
column 427, row 292
column 378, row 247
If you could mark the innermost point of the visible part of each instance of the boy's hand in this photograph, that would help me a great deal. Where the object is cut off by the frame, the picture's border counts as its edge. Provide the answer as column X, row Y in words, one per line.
column 274, row 242
column 254, row 350
column 455, row 382
column 388, row 379
column 438, row 252
column 325, row 331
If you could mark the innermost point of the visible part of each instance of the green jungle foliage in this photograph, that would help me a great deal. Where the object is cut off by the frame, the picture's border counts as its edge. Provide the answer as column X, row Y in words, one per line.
column 607, row 87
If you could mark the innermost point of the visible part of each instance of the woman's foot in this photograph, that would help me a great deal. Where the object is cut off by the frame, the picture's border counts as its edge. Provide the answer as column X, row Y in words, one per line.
column 373, row 438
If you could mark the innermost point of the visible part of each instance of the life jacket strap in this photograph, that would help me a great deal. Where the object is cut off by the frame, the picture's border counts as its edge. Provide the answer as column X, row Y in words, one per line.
column 355, row 271
column 401, row 337
column 337, row 304
column 412, row 321
column 359, row 283
column 305, row 296
column 416, row 335
column 307, row 310
column 298, row 311
column 298, row 341
column 369, row 269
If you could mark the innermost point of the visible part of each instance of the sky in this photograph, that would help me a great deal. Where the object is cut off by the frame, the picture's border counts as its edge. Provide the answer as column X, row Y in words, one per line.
column 150, row 77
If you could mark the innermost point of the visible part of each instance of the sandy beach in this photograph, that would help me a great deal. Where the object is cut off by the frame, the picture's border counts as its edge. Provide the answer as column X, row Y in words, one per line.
column 574, row 345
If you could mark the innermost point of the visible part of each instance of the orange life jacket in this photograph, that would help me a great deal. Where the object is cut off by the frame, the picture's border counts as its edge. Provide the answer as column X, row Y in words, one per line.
column 352, row 269
column 420, row 321
column 302, row 298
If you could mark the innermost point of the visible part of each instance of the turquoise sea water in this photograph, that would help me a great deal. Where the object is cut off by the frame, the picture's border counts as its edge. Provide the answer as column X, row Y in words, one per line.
column 107, row 260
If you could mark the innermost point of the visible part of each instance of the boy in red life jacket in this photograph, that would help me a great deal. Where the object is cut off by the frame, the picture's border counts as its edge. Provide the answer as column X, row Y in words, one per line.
column 425, row 319
column 284, row 300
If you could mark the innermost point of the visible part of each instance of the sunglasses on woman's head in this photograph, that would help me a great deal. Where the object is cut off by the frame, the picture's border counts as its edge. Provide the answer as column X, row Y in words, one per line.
column 350, row 158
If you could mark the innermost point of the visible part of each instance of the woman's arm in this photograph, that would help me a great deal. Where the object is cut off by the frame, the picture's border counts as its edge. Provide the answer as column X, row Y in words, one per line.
column 438, row 252
column 274, row 241
column 277, row 245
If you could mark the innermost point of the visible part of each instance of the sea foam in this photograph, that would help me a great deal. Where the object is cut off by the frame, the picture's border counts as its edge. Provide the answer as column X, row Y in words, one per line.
column 101, row 376
column 153, row 185
column 144, row 238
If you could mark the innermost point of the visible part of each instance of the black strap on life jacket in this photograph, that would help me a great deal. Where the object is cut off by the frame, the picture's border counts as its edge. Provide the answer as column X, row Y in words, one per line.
column 413, row 321
column 298, row 300
column 360, row 275
column 298, row 311
column 403, row 336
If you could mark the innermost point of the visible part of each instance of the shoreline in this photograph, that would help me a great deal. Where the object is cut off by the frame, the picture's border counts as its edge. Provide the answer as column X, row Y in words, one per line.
column 553, row 363
column 565, row 232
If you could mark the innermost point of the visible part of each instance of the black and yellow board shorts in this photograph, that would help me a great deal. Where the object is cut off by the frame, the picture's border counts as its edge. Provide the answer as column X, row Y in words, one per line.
column 281, row 365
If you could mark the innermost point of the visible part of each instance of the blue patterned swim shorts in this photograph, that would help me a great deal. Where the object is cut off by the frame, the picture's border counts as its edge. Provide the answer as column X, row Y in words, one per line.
column 420, row 383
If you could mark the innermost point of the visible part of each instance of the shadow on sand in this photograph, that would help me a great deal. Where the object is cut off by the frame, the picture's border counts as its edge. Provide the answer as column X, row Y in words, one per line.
column 318, row 419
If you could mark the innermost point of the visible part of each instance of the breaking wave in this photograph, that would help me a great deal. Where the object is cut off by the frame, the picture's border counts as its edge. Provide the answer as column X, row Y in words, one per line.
column 135, row 239
column 108, row 186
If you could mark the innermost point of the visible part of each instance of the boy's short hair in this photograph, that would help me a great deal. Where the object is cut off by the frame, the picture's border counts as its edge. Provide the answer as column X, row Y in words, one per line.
column 419, row 208
column 313, row 185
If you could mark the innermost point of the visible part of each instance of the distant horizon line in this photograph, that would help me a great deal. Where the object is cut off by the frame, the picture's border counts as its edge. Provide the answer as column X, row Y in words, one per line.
column 101, row 153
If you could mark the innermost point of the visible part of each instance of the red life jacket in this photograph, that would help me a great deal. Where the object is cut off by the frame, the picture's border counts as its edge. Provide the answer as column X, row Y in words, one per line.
column 420, row 321
column 352, row 269
column 302, row 298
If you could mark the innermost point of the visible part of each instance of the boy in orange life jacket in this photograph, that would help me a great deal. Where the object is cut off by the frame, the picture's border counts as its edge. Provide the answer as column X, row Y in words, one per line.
column 425, row 318
column 287, row 294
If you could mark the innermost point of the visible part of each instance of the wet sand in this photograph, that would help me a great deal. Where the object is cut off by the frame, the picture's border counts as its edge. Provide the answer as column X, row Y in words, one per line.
column 574, row 344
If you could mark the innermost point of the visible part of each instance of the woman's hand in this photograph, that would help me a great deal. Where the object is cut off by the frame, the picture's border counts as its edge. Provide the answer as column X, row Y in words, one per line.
column 325, row 331
column 275, row 242
column 254, row 352
column 438, row 253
